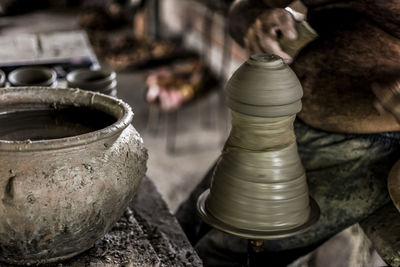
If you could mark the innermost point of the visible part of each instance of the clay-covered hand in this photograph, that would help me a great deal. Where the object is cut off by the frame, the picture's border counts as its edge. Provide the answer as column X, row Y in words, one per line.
column 263, row 35
column 387, row 98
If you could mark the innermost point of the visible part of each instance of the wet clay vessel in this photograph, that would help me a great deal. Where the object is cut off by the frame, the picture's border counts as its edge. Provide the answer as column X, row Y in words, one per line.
column 70, row 162
column 33, row 76
column 259, row 188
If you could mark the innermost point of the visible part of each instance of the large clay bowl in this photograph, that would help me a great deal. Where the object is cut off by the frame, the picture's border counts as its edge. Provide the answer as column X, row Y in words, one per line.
column 70, row 162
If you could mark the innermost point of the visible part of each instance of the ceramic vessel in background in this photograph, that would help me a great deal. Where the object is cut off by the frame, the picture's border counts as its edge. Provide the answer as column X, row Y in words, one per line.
column 102, row 81
column 33, row 76
column 2, row 78
column 63, row 184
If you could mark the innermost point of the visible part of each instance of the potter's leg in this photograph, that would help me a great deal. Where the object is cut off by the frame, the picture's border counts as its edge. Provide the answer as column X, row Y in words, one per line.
column 346, row 176
column 186, row 214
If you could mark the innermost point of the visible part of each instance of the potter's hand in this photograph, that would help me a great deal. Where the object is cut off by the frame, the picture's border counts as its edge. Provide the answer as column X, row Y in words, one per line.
column 387, row 98
column 272, row 24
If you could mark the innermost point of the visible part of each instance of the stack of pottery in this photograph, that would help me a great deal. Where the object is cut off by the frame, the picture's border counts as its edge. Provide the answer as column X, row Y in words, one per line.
column 70, row 163
column 33, row 76
column 101, row 81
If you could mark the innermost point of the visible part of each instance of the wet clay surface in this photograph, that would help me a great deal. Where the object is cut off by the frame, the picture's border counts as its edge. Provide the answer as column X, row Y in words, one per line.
column 146, row 235
column 51, row 123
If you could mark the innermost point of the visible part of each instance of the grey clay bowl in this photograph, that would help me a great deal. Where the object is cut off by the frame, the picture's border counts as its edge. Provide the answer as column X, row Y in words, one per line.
column 92, row 80
column 33, row 76
column 2, row 78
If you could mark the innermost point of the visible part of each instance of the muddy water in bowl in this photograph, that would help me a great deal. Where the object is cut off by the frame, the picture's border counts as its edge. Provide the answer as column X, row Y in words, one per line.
column 51, row 123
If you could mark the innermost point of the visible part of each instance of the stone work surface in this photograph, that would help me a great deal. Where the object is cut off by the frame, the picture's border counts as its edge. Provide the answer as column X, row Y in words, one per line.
column 146, row 235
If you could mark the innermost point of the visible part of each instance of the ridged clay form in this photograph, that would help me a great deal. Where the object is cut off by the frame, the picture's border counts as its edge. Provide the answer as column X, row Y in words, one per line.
column 264, row 86
column 259, row 188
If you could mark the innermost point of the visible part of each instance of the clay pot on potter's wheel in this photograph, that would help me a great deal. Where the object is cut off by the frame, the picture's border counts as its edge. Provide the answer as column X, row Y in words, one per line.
column 70, row 162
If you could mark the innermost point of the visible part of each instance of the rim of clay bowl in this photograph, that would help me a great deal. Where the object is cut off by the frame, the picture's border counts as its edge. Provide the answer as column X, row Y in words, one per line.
column 108, row 88
column 2, row 78
column 14, row 79
column 66, row 96
column 79, row 78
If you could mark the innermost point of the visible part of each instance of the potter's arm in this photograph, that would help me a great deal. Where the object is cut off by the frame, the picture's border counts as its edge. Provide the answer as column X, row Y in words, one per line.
column 256, row 25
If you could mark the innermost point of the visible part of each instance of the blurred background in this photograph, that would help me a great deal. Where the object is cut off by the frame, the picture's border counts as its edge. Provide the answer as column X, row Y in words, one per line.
column 172, row 59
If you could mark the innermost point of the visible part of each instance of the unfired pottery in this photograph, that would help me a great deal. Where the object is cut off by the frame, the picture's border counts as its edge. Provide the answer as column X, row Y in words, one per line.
column 33, row 76
column 66, row 176
column 2, row 78
column 265, row 87
column 102, row 81
column 259, row 188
